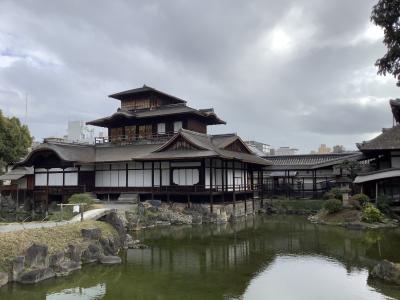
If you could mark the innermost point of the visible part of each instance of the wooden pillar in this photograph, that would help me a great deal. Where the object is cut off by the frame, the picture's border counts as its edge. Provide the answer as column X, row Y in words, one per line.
column 261, row 191
column 376, row 192
column 188, row 200
column 314, row 183
column 233, row 188
column 152, row 180
column 223, row 180
column 211, row 180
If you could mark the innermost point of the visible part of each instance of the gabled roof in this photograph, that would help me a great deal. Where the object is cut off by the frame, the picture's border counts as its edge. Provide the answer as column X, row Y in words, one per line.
column 310, row 161
column 207, row 145
column 144, row 90
column 389, row 139
column 167, row 110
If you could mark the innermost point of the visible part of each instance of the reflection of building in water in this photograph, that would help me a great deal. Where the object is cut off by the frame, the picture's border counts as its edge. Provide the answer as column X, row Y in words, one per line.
column 233, row 248
column 95, row 292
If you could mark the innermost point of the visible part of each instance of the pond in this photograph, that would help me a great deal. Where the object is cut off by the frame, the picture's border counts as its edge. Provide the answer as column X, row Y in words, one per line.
column 263, row 257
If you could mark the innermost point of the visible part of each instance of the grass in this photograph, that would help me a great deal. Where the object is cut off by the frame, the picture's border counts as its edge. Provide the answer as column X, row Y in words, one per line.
column 13, row 244
column 297, row 204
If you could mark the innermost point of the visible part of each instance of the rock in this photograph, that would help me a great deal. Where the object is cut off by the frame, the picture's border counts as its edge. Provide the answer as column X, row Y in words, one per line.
column 66, row 267
column 110, row 259
column 110, row 246
column 176, row 218
column 36, row 275
column 36, row 256
column 3, row 278
column 56, row 259
column 354, row 226
column 61, row 265
column 74, row 253
column 154, row 203
column 17, row 267
column 130, row 241
column 91, row 233
column 91, row 254
column 163, row 223
column 117, row 223
column 387, row 271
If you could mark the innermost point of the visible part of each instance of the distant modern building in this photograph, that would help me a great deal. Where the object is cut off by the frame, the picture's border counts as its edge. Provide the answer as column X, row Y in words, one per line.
column 79, row 132
column 323, row 149
column 286, row 151
column 259, row 148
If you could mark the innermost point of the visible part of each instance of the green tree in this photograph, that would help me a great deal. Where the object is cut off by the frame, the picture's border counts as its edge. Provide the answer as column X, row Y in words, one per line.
column 386, row 14
column 15, row 140
column 351, row 168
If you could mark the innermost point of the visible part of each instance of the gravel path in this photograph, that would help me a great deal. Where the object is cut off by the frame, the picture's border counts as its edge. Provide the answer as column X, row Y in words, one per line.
column 93, row 214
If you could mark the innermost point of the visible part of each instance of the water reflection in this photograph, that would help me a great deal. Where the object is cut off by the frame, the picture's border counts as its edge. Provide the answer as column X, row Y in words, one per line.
column 262, row 257
column 309, row 277
column 95, row 292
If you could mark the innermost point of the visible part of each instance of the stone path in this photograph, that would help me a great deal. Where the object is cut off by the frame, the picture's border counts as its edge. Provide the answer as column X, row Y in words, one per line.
column 93, row 214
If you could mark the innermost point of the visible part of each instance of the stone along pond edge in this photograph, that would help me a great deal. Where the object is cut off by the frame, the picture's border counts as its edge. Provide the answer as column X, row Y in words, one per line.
column 33, row 255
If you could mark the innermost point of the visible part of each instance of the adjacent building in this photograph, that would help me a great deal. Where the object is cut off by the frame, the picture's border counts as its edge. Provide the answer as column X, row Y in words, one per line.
column 382, row 177
column 306, row 175
column 259, row 148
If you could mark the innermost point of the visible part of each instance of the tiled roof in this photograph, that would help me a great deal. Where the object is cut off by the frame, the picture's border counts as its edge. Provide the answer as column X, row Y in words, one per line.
column 166, row 110
column 389, row 139
column 76, row 153
column 143, row 90
column 309, row 161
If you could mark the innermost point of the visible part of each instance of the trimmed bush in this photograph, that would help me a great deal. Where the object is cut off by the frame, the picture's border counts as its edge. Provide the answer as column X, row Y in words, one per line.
column 81, row 198
column 333, row 193
column 333, row 206
column 371, row 214
column 358, row 201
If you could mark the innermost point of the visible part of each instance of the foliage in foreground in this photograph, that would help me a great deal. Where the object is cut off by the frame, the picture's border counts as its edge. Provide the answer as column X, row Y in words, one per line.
column 333, row 205
column 15, row 140
column 371, row 214
column 386, row 14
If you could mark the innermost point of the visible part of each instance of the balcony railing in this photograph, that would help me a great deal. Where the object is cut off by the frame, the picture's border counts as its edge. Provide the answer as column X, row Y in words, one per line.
column 135, row 139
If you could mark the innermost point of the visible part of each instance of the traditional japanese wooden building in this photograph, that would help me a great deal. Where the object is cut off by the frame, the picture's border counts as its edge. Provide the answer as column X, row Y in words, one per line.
column 382, row 177
column 157, row 147
column 306, row 175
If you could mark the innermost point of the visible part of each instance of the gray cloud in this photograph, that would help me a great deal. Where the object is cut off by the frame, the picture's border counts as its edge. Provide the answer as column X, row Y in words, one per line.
column 296, row 73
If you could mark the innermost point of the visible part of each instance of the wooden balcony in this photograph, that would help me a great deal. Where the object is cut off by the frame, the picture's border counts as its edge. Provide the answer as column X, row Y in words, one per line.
column 136, row 139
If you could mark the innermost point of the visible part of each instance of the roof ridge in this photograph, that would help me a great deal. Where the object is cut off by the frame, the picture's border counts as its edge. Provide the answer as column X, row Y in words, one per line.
column 194, row 132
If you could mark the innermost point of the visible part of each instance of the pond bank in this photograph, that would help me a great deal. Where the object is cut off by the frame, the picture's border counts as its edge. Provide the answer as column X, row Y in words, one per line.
column 33, row 255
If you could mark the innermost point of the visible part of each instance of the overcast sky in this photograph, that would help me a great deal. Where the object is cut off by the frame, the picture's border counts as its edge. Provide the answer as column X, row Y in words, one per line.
column 288, row 73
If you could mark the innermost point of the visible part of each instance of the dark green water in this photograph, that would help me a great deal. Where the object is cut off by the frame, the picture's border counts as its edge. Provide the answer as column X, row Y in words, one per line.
column 276, row 258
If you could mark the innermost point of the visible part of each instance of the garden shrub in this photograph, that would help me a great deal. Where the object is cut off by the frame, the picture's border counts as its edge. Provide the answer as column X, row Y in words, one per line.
column 371, row 214
column 337, row 193
column 358, row 201
column 333, row 205
column 333, row 193
column 81, row 198
column 384, row 204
